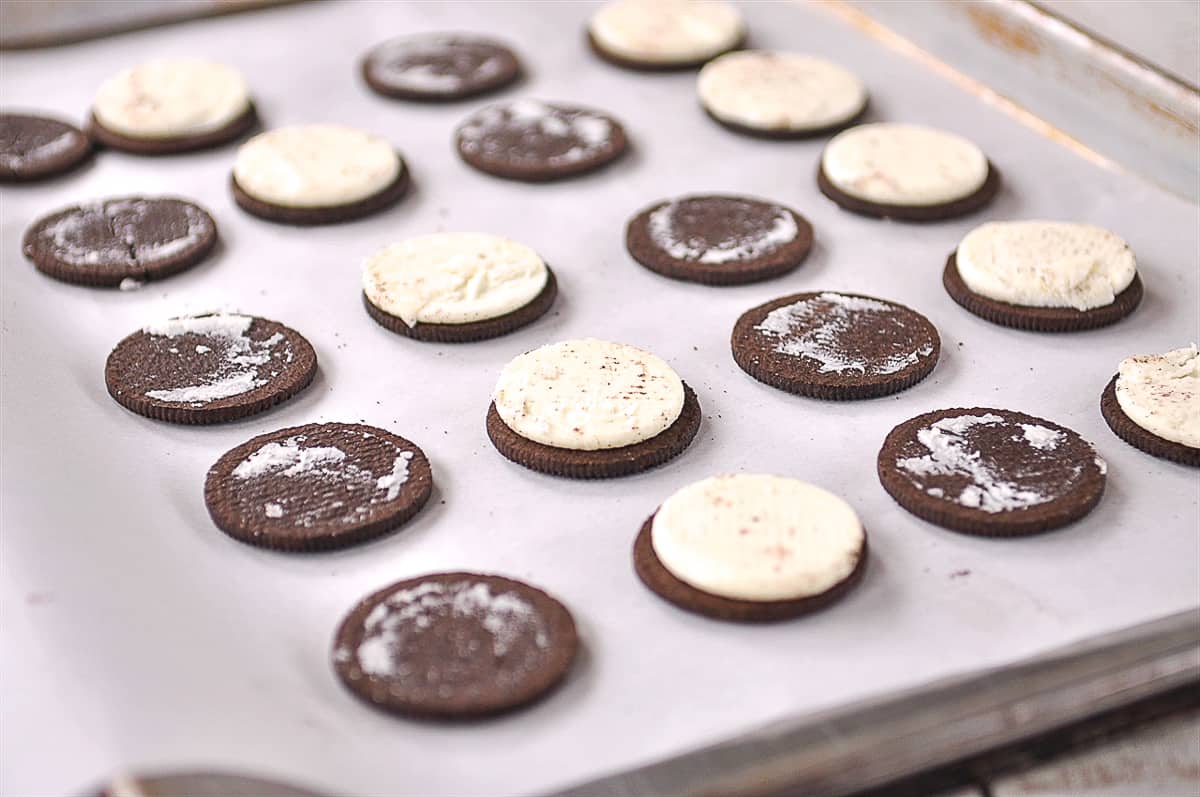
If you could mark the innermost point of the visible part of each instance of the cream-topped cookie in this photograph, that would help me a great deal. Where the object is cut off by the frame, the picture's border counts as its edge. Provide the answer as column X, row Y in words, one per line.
column 1045, row 263
column 453, row 278
column 174, row 98
column 666, row 32
column 780, row 92
column 315, row 166
column 1161, row 394
column 588, row 395
column 757, row 537
column 902, row 164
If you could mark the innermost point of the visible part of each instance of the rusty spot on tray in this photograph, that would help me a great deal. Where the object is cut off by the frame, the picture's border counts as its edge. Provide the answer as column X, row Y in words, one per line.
column 1145, row 105
column 998, row 30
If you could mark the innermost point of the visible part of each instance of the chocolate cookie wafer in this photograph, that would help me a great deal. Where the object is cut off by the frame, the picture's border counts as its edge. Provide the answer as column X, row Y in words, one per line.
column 317, row 174
column 751, row 548
column 656, row 35
column 989, row 472
column 457, row 287
column 121, row 242
column 906, row 172
column 1044, row 276
column 209, row 368
column 439, row 67
column 534, row 141
column 454, row 645
column 317, row 487
column 35, row 147
column 591, row 409
column 780, row 95
column 1153, row 403
column 719, row 240
column 169, row 106
column 837, row 346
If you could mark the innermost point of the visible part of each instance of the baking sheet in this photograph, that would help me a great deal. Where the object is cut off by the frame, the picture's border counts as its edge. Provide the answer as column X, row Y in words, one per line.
column 136, row 635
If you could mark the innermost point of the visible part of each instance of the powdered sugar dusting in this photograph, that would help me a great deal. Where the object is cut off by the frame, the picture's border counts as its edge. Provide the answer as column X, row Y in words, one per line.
column 125, row 232
column 393, row 481
column 434, row 63
column 296, row 458
column 235, row 361
column 23, row 151
column 816, row 328
column 289, row 458
column 528, row 130
column 398, row 623
column 739, row 245
column 52, row 148
column 1041, row 437
column 951, row 453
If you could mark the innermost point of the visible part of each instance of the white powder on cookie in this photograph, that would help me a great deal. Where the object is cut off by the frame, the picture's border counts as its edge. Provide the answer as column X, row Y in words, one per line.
column 662, row 226
column 815, row 329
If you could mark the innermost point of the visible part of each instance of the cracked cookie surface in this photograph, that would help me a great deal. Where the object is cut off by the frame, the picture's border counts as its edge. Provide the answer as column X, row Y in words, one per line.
column 116, row 242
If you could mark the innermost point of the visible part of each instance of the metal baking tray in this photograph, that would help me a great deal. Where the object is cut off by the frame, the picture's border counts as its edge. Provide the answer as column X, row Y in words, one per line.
column 138, row 637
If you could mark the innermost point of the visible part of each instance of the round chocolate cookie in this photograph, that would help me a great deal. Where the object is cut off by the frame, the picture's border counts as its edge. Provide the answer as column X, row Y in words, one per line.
column 661, row 581
column 454, row 645
column 836, row 346
column 120, row 241
column 780, row 95
column 989, row 472
column 209, row 368
column 653, row 35
column 1039, row 319
column 232, row 131
column 603, row 463
column 535, row 141
column 591, row 409
column 751, row 547
column 457, row 287
column 329, row 214
column 168, row 106
column 1125, row 428
column 470, row 331
column 1153, row 403
column 34, row 147
column 439, row 67
column 317, row 174
column 940, row 212
column 317, row 487
column 719, row 240
column 906, row 172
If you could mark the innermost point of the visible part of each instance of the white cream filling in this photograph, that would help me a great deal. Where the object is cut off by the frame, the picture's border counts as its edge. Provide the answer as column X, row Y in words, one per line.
column 588, row 394
column 171, row 99
column 1161, row 394
column 757, row 537
column 315, row 166
column 779, row 91
column 899, row 164
column 666, row 31
column 1045, row 263
column 453, row 278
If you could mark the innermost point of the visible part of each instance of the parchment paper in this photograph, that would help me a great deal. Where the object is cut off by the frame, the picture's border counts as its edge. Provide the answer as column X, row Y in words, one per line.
column 137, row 636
